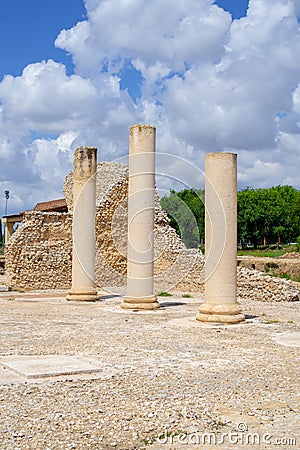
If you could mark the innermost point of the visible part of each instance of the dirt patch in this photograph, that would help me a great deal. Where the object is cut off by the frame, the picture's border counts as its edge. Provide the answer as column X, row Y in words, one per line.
column 286, row 264
column 292, row 255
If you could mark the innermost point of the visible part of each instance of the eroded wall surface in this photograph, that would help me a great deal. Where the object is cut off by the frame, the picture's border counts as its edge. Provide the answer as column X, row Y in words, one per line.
column 39, row 254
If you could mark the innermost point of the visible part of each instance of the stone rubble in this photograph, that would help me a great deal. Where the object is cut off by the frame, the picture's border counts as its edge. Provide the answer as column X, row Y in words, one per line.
column 255, row 285
column 291, row 255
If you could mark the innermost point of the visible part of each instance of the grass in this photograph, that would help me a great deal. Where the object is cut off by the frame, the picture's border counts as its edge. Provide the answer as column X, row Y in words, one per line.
column 286, row 276
column 297, row 279
column 262, row 253
column 187, row 296
column 165, row 294
column 271, row 321
column 273, row 253
column 269, row 252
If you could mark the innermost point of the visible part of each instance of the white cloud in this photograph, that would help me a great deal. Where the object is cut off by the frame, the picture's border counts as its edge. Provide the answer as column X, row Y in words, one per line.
column 296, row 99
column 45, row 99
column 52, row 157
column 260, row 170
column 234, row 104
column 155, row 33
column 208, row 84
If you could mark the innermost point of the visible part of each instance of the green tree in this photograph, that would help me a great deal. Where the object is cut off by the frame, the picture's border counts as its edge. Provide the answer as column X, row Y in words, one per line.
column 265, row 215
column 268, row 215
column 186, row 212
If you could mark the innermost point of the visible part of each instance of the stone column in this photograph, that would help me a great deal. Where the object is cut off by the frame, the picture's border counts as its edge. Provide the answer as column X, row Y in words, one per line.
column 141, row 194
column 84, row 212
column 220, row 288
column 8, row 229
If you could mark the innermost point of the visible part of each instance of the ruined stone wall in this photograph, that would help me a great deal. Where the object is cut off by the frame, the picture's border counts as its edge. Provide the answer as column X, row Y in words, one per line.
column 2, row 270
column 255, row 285
column 288, row 263
column 173, row 264
column 39, row 254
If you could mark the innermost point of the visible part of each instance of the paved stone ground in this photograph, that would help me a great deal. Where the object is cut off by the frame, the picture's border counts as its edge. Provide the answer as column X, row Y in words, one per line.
column 161, row 371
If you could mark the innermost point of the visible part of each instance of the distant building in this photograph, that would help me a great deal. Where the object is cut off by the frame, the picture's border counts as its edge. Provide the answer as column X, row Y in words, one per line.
column 10, row 221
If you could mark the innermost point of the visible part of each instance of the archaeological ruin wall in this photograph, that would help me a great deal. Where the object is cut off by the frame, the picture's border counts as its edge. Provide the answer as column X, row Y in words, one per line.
column 39, row 254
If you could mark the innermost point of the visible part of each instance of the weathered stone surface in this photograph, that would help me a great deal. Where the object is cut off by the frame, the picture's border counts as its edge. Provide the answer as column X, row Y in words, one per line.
column 253, row 284
column 170, row 372
column 289, row 263
column 39, row 254
column 50, row 365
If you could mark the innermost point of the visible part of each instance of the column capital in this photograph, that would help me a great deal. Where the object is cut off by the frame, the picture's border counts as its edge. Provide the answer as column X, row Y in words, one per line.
column 85, row 163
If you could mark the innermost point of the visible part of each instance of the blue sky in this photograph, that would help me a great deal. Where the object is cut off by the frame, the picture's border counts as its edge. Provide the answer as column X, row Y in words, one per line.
column 212, row 76
column 29, row 28
column 237, row 8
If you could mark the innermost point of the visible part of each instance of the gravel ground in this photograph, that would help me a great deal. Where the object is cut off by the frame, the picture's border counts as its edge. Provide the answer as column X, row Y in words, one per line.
column 164, row 371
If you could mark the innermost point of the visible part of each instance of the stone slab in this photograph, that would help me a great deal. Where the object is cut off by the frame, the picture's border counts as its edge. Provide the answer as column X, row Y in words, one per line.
column 9, row 377
column 51, row 366
column 289, row 339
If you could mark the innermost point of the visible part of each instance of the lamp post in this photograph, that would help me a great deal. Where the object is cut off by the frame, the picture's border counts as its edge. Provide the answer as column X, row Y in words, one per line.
column 6, row 200
column 6, row 193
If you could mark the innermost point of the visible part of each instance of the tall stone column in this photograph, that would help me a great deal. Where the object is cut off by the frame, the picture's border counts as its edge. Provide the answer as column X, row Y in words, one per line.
column 220, row 288
column 141, row 194
column 8, row 229
column 84, row 212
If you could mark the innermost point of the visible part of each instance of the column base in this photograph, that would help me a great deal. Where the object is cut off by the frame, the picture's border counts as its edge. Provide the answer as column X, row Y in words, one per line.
column 146, row 303
column 84, row 296
column 231, row 313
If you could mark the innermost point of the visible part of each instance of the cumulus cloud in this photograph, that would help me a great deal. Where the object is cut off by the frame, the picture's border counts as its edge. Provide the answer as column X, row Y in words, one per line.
column 208, row 84
column 156, row 33
column 240, row 97
column 45, row 99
